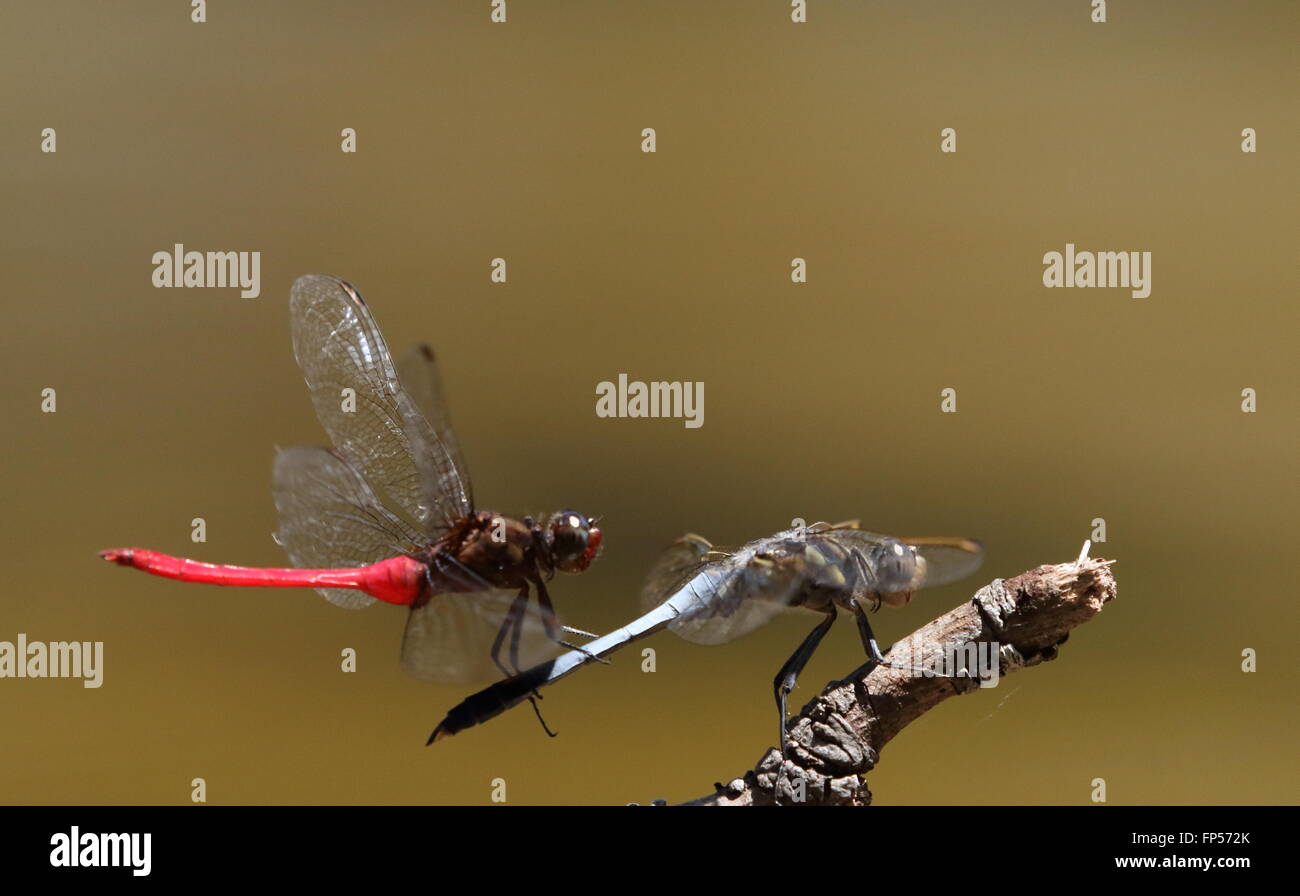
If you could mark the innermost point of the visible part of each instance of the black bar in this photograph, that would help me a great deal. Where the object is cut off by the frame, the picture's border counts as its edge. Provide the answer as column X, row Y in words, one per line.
column 944, row 845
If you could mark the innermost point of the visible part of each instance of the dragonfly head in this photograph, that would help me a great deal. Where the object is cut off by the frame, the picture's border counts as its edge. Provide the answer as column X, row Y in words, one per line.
column 574, row 541
column 899, row 568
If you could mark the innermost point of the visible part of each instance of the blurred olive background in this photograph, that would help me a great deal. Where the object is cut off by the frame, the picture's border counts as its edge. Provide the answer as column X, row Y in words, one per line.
column 775, row 140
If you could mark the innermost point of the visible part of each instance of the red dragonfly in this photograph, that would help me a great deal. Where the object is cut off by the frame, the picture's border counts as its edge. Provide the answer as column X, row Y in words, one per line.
column 389, row 513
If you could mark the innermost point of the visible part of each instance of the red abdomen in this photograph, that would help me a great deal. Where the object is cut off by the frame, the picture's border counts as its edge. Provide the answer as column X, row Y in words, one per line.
column 397, row 580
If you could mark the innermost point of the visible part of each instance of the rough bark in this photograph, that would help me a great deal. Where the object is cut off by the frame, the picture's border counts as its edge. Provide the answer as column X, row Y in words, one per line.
column 838, row 736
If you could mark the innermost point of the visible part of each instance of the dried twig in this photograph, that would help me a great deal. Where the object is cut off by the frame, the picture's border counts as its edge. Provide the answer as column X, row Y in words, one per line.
column 838, row 736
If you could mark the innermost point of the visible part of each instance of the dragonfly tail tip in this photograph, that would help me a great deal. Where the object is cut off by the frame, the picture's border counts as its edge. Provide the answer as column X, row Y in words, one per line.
column 120, row 556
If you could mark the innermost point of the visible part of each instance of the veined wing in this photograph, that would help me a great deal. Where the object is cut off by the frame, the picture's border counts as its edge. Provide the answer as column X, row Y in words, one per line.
column 732, row 594
column 376, row 425
column 947, row 558
column 679, row 562
column 449, row 639
column 329, row 518
column 419, row 373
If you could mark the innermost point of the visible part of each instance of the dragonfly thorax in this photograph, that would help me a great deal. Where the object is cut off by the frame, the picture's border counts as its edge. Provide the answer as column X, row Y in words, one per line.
column 505, row 552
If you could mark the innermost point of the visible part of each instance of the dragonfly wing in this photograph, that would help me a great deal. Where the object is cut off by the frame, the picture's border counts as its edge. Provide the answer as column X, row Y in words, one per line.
column 449, row 639
column 364, row 407
column 679, row 562
column 736, row 602
column 947, row 559
column 732, row 594
column 727, row 618
column 329, row 517
column 419, row 373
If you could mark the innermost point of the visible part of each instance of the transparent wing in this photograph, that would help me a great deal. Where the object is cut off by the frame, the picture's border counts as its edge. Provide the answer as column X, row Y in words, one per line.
column 736, row 606
column 947, row 559
column 740, row 593
column 375, row 425
column 449, row 639
column 329, row 517
column 419, row 373
column 676, row 565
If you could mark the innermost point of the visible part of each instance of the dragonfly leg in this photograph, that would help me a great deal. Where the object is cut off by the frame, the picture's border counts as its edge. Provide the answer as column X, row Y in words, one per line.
column 570, row 630
column 514, row 624
column 789, row 674
column 532, row 700
column 517, row 610
column 862, row 588
column 517, row 633
column 552, row 624
column 511, row 625
column 873, row 649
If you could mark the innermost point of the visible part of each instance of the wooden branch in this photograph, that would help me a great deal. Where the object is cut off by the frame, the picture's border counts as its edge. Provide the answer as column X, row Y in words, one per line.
column 838, row 736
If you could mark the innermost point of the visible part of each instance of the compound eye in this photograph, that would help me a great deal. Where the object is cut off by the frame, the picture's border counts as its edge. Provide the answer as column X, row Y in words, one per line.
column 567, row 540
column 568, row 524
column 899, row 565
column 569, row 534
